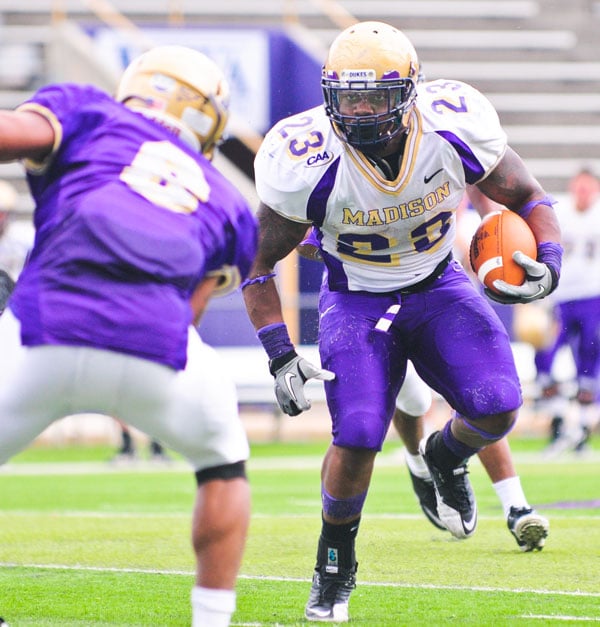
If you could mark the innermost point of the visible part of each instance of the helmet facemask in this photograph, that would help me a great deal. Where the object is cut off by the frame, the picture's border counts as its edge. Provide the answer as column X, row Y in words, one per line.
column 367, row 132
column 374, row 62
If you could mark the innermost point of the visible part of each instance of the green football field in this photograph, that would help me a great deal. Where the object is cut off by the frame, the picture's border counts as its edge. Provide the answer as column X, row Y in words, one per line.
column 85, row 543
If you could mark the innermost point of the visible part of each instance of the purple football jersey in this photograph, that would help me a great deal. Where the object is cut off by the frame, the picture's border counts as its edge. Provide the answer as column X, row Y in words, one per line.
column 128, row 219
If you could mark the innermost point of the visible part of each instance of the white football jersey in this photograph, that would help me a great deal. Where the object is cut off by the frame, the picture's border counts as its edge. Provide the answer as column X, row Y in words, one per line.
column 580, row 238
column 380, row 235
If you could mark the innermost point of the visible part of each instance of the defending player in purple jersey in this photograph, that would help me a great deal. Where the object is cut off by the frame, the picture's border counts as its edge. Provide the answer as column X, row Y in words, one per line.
column 380, row 171
column 138, row 213
column 135, row 231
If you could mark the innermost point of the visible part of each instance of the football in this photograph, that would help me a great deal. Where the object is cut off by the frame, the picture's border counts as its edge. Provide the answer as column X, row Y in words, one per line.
column 497, row 237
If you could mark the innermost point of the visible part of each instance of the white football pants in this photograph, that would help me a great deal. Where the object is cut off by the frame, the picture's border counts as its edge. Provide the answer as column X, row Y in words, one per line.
column 193, row 411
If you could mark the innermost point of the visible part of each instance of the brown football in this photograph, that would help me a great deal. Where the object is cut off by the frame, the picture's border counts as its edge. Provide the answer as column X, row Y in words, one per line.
column 497, row 237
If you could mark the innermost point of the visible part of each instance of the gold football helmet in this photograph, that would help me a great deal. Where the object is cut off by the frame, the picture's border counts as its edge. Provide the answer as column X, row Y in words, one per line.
column 377, row 62
column 182, row 89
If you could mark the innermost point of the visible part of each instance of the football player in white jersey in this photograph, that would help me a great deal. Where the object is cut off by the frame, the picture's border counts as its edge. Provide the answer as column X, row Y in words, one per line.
column 414, row 401
column 379, row 170
column 577, row 309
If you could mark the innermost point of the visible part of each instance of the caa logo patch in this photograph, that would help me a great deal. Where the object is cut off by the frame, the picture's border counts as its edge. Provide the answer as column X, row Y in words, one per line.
column 320, row 158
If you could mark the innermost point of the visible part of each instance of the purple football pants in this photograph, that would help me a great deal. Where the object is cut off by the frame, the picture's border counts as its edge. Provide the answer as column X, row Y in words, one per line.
column 454, row 338
column 580, row 328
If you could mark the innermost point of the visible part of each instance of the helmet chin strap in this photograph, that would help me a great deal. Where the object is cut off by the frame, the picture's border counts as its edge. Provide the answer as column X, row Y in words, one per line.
column 389, row 165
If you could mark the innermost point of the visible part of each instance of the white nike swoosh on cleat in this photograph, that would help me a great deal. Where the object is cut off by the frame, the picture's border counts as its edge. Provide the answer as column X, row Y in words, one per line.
column 469, row 525
column 315, row 613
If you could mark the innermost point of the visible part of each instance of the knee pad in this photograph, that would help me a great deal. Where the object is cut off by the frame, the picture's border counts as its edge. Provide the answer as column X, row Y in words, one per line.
column 414, row 398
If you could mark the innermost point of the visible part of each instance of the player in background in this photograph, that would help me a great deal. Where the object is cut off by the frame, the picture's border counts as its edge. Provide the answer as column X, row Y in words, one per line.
column 380, row 170
column 528, row 527
column 16, row 234
column 577, row 310
column 128, row 450
column 132, row 223
column 13, row 248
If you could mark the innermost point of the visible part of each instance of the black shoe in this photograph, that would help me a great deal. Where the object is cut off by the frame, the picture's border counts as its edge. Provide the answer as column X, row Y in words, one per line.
column 455, row 499
column 329, row 596
column 125, row 456
column 425, row 492
column 556, row 428
column 528, row 527
column 582, row 441
column 156, row 448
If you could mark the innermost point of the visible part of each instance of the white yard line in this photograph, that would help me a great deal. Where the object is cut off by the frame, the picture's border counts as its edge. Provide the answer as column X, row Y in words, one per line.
column 148, row 571
column 300, row 462
column 258, row 515
column 565, row 618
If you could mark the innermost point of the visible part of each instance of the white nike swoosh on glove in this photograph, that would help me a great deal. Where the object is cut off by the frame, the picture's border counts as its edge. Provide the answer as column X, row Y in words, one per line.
column 287, row 377
column 540, row 291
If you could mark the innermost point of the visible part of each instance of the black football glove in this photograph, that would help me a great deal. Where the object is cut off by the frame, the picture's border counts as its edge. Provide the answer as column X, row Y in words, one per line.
column 291, row 373
column 539, row 282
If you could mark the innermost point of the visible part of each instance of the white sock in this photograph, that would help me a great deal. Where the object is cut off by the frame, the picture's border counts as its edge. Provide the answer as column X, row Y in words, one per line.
column 417, row 465
column 212, row 608
column 510, row 493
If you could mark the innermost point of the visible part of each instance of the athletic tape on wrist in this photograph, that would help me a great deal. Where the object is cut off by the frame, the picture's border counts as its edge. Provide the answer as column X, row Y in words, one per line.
column 527, row 208
column 258, row 279
column 551, row 253
column 275, row 339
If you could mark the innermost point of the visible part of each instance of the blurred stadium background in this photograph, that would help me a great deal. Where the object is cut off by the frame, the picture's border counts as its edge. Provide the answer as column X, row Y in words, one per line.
column 537, row 60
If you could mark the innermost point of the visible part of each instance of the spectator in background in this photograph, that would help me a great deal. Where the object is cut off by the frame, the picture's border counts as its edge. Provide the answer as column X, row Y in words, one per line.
column 577, row 310
column 133, row 223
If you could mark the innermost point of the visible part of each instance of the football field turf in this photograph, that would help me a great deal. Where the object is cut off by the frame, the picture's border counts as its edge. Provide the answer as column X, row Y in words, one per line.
column 85, row 543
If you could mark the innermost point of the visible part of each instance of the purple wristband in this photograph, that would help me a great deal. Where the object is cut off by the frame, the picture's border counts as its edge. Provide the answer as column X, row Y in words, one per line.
column 527, row 208
column 275, row 340
column 258, row 279
column 550, row 253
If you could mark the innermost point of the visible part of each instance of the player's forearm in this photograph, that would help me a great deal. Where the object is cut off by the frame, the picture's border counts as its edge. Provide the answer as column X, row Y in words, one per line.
column 542, row 221
column 201, row 296
column 24, row 135
column 262, row 300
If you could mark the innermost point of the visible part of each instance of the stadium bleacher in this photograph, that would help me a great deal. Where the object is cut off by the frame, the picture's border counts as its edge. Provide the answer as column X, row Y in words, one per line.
column 536, row 60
